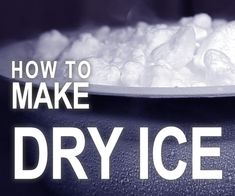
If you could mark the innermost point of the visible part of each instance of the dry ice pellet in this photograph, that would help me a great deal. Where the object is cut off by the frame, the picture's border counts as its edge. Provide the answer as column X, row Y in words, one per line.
column 196, row 51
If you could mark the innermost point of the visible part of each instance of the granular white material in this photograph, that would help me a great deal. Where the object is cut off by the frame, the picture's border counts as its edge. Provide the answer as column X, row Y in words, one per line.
column 196, row 51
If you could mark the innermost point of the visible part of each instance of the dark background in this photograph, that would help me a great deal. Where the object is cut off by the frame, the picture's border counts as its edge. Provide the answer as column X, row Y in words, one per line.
column 23, row 18
column 20, row 19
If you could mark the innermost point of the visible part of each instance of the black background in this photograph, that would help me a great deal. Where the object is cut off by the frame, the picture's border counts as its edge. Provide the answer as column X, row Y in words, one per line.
column 23, row 18
column 20, row 19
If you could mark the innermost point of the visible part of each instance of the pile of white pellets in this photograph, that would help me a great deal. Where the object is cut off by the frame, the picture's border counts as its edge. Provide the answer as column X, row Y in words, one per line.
column 196, row 51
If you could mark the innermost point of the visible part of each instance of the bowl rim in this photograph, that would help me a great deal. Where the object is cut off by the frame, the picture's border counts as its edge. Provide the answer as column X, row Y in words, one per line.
column 7, row 54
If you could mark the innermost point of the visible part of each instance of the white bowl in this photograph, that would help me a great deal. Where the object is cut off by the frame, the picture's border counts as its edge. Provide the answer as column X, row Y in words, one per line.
column 24, row 51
